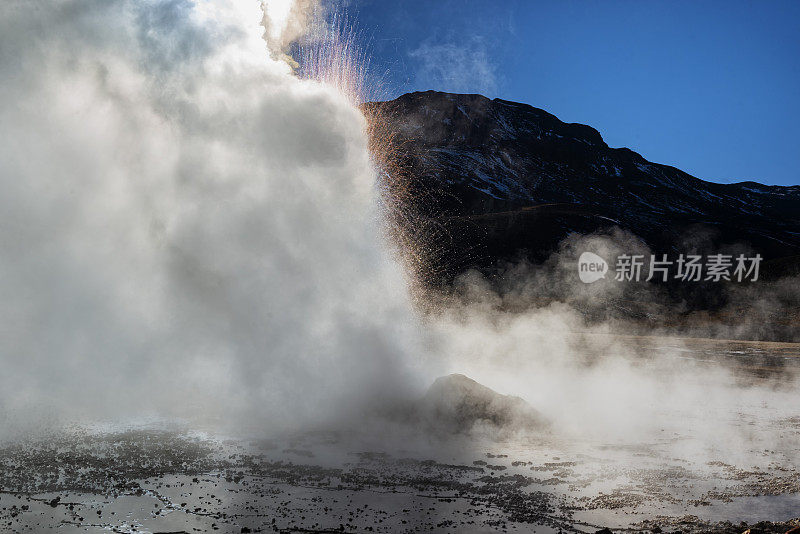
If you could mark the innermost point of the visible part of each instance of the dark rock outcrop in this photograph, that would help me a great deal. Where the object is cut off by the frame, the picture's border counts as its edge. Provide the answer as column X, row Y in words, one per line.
column 457, row 404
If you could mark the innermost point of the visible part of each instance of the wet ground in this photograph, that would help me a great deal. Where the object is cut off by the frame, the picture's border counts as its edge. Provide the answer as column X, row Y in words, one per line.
column 159, row 479
column 163, row 481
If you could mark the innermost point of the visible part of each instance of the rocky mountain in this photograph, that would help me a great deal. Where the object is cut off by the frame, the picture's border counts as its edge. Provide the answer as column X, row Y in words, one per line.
column 504, row 180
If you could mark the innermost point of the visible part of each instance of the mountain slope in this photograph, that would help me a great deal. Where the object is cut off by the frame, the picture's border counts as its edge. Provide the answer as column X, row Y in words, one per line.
column 523, row 180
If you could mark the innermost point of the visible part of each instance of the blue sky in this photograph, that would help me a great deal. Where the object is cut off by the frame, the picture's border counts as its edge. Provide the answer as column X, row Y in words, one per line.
column 712, row 88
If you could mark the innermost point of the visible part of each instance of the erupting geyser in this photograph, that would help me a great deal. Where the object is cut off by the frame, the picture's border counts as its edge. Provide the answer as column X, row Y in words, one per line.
column 188, row 228
column 202, row 223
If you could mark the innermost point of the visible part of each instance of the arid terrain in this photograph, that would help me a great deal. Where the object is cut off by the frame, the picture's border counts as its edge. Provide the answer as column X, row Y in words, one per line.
column 157, row 477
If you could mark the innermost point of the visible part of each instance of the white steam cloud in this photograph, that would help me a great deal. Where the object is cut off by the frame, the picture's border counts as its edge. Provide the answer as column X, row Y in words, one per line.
column 464, row 67
column 186, row 227
column 599, row 385
column 287, row 21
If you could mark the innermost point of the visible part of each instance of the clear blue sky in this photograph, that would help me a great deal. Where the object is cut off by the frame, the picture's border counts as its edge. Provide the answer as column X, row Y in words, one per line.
column 712, row 88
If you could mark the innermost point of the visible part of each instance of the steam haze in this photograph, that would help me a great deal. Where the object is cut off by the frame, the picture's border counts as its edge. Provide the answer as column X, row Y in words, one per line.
column 188, row 230
column 226, row 300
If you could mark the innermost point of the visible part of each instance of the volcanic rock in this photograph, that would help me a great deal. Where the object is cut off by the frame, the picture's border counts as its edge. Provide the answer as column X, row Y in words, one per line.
column 457, row 404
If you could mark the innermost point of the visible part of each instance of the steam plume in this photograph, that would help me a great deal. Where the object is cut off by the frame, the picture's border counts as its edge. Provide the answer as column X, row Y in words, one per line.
column 187, row 228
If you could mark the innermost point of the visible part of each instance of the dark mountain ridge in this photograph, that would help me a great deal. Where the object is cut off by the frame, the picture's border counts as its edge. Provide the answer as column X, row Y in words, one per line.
column 512, row 181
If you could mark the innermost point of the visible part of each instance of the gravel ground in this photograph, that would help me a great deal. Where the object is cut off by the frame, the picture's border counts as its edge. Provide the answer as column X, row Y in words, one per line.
column 161, row 478
column 168, row 481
